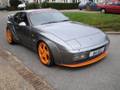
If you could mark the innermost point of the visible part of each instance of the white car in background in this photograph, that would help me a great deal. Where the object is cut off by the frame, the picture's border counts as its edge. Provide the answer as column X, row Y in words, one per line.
column 22, row 6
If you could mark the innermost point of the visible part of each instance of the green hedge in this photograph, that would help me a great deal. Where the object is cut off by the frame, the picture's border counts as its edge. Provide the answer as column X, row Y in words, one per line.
column 60, row 5
column 33, row 6
column 52, row 5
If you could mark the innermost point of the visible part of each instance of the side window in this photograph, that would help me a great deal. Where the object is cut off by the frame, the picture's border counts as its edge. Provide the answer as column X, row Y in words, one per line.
column 17, row 18
column 116, row 3
column 109, row 3
column 21, row 17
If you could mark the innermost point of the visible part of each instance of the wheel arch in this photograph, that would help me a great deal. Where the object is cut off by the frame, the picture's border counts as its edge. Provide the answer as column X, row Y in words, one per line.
column 104, row 9
column 53, row 49
column 11, row 26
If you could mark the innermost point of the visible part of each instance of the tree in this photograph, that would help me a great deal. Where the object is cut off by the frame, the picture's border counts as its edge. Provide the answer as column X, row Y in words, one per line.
column 14, row 3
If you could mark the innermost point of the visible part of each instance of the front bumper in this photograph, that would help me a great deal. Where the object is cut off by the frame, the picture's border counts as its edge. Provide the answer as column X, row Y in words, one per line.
column 70, row 59
column 91, row 61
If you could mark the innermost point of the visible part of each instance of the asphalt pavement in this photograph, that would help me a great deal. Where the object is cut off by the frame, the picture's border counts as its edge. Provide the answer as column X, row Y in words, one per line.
column 10, row 79
column 104, row 75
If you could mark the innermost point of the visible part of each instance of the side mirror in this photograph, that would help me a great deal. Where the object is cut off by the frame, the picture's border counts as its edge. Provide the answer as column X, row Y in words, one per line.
column 22, row 24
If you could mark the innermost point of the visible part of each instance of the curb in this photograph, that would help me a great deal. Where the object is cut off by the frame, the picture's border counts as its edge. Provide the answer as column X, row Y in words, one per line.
column 113, row 33
column 77, row 10
column 37, row 81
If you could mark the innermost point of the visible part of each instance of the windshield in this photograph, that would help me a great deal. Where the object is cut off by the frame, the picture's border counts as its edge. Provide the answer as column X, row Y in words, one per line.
column 47, row 17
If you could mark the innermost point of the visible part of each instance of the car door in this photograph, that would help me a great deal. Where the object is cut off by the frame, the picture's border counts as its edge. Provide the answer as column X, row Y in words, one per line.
column 109, row 7
column 117, row 8
column 114, row 7
column 23, row 28
column 16, row 26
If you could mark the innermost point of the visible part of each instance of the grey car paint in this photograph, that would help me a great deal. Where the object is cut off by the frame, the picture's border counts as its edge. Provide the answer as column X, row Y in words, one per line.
column 74, row 36
column 71, row 38
column 67, row 39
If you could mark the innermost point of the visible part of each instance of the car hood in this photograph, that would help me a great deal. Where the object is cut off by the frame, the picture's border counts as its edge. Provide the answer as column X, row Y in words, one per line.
column 68, row 30
column 74, row 36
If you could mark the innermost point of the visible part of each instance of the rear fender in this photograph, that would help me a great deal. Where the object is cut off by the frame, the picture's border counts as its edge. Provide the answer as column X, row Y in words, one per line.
column 12, row 28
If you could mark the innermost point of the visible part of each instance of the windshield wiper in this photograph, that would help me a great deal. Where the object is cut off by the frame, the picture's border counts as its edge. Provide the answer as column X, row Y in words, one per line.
column 50, row 22
column 55, row 22
column 63, row 20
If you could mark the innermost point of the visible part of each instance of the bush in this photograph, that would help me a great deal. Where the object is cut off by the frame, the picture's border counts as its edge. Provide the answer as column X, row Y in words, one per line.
column 60, row 5
column 33, row 6
column 14, row 4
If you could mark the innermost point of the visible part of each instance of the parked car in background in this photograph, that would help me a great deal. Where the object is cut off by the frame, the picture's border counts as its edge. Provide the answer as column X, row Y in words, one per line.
column 22, row 5
column 89, row 5
column 3, row 7
column 109, row 7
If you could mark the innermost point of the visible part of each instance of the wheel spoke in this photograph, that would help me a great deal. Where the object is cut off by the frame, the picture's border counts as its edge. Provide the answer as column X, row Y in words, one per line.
column 41, row 50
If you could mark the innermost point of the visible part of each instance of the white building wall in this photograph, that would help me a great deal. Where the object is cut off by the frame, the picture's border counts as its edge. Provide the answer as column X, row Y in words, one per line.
column 84, row 1
column 29, row 1
column 3, row 3
column 99, row 1
column 57, row 1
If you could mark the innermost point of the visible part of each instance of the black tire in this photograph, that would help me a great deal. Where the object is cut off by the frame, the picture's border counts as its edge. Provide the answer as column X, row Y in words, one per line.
column 88, row 8
column 103, row 11
column 80, row 8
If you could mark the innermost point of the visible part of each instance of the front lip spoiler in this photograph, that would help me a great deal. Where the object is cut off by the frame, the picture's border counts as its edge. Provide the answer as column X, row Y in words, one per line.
column 94, row 60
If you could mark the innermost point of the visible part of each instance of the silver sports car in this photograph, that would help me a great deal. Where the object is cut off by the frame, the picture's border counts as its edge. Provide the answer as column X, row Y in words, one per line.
column 56, row 39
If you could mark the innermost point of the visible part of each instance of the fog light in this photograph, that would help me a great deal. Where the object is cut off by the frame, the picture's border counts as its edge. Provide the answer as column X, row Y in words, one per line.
column 82, row 56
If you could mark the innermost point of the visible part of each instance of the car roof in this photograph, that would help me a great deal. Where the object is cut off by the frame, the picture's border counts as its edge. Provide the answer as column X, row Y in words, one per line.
column 39, row 10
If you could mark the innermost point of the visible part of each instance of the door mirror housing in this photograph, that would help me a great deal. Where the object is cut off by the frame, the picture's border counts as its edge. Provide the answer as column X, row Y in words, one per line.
column 22, row 24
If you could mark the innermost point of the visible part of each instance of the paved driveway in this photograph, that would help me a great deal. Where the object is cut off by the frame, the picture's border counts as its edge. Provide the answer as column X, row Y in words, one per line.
column 104, row 75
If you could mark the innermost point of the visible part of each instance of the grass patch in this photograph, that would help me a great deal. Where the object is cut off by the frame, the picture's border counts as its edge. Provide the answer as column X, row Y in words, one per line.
column 106, row 22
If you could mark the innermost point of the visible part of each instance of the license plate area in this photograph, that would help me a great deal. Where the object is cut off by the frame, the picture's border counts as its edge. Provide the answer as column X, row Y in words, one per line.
column 96, row 52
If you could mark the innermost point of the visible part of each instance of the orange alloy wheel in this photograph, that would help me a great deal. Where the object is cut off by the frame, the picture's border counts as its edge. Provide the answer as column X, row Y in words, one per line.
column 9, row 36
column 44, row 54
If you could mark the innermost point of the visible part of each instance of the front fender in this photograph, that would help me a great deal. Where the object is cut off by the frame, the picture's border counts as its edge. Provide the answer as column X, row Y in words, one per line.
column 53, row 48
